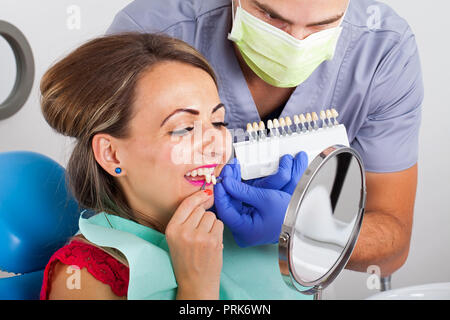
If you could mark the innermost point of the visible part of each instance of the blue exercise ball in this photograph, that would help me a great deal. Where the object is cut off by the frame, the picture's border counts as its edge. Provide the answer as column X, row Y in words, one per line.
column 37, row 212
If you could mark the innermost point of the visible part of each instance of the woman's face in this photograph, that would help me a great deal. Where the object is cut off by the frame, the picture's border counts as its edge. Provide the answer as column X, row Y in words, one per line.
column 178, row 127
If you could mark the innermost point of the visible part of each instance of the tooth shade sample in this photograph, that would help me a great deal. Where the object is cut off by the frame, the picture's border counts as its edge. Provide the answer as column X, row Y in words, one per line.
column 270, row 124
column 334, row 113
column 296, row 119
column 288, row 121
column 302, row 118
column 261, row 125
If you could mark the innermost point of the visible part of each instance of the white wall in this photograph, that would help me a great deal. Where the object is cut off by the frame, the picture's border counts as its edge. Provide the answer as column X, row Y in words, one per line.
column 44, row 22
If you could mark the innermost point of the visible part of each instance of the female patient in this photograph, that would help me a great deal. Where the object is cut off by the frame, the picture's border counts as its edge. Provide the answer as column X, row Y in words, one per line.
column 149, row 129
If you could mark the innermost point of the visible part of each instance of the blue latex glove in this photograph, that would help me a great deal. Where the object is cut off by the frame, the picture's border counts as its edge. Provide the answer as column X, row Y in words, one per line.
column 254, row 213
column 286, row 178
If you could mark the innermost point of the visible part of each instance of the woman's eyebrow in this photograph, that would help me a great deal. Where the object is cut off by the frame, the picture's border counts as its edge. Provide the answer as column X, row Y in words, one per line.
column 191, row 111
column 220, row 105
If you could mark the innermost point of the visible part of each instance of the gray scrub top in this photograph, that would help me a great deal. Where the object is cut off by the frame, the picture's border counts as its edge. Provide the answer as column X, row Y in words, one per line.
column 374, row 80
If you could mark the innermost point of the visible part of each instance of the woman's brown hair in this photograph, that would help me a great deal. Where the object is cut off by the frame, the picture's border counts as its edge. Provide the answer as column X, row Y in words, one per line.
column 92, row 91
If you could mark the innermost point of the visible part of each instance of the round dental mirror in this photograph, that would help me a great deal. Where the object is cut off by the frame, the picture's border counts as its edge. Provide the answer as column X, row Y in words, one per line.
column 323, row 220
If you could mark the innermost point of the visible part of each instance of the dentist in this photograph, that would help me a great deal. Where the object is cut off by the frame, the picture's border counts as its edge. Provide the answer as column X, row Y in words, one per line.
column 272, row 61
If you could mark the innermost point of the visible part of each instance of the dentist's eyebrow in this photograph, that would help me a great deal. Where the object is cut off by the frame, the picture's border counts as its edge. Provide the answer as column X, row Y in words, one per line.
column 327, row 21
column 277, row 16
column 272, row 12
column 191, row 111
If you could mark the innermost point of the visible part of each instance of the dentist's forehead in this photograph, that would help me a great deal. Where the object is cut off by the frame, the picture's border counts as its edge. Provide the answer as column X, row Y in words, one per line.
column 302, row 11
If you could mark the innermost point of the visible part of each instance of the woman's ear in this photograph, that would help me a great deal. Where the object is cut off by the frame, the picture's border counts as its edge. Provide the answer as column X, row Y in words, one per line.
column 106, row 155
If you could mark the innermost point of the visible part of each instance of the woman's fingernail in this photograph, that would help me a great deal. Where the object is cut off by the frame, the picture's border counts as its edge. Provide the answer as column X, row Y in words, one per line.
column 208, row 192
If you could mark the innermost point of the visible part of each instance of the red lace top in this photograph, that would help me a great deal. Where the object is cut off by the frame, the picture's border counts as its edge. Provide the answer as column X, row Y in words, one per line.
column 99, row 264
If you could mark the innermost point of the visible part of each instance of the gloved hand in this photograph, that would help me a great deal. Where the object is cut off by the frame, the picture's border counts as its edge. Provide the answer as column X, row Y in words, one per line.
column 288, row 175
column 253, row 213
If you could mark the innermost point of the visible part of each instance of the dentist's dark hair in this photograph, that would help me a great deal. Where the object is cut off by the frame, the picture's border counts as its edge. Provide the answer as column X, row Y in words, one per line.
column 91, row 91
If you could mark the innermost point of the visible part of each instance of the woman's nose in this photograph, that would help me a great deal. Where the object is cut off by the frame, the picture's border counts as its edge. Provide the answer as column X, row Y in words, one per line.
column 215, row 143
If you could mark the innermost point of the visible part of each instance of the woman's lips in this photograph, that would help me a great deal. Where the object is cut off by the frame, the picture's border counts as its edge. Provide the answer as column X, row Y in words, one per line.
column 200, row 174
column 198, row 182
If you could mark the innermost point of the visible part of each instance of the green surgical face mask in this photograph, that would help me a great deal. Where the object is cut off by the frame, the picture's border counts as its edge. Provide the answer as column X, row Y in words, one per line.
column 277, row 57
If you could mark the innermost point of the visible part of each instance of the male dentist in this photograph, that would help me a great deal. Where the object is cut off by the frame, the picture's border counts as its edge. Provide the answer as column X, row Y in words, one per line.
column 368, row 70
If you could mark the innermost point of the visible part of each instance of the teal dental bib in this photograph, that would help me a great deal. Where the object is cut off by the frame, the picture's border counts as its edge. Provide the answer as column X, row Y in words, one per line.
column 247, row 273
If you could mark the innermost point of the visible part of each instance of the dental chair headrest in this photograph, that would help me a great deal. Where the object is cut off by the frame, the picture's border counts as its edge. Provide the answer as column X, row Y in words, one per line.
column 37, row 212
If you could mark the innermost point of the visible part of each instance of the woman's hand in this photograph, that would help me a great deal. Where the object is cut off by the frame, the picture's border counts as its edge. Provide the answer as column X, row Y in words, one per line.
column 195, row 240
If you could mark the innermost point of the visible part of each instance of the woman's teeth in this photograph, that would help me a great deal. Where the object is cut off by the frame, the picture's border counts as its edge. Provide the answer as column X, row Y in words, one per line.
column 207, row 173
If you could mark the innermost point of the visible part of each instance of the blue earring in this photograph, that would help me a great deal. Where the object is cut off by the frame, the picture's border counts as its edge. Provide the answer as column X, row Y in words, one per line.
column 118, row 170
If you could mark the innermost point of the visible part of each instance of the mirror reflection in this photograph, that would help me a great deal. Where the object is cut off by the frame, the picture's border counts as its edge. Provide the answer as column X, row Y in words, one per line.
column 326, row 217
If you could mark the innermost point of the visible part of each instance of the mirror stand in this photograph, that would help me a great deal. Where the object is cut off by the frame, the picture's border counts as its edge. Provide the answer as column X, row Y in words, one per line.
column 318, row 295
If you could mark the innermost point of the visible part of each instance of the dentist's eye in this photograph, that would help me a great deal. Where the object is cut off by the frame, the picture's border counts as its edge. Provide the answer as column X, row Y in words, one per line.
column 181, row 132
column 269, row 16
column 220, row 124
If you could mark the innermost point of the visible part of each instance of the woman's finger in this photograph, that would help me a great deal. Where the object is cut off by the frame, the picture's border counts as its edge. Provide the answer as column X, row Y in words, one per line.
column 188, row 205
column 194, row 219
column 207, row 222
column 217, row 231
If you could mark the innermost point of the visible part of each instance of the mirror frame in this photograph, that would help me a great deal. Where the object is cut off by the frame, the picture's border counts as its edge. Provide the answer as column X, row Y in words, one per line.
column 25, row 70
column 287, row 230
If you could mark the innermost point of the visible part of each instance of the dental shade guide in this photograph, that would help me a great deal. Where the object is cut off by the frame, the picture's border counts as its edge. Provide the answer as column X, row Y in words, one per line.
column 311, row 132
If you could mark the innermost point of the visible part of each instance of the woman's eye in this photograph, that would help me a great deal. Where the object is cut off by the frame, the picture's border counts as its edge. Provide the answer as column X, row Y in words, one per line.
column 181, row 132
column 220, row 124
column 184, row 131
